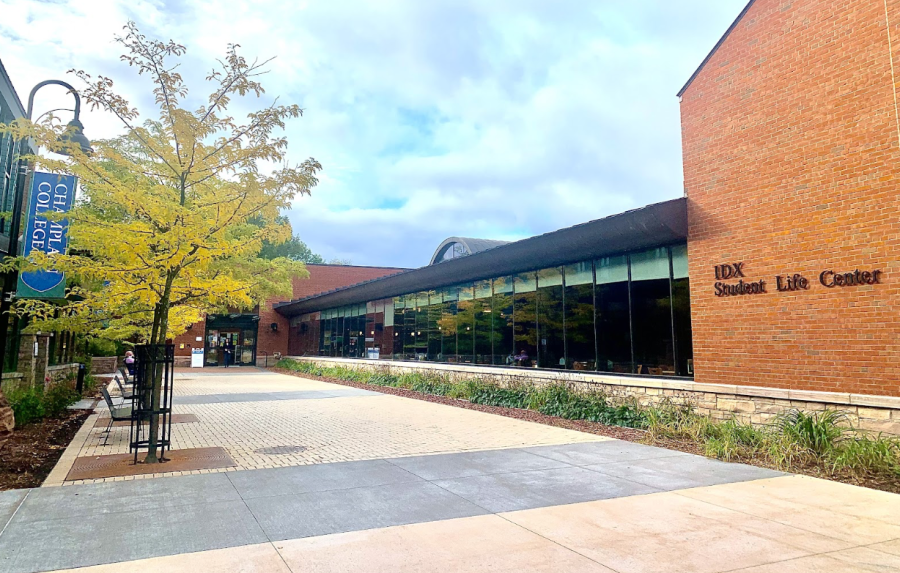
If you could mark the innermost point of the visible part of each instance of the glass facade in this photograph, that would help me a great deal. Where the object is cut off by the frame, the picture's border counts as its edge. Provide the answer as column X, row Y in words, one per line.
column 627, row 314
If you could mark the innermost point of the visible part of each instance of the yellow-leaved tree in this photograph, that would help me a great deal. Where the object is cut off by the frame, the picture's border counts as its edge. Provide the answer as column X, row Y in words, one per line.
column 173, row 213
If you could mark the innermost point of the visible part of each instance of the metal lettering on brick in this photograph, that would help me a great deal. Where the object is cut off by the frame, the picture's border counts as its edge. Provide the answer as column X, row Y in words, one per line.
column 787, row 283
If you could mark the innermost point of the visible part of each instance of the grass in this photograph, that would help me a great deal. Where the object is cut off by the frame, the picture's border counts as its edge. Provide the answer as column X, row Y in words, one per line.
column 793, row 441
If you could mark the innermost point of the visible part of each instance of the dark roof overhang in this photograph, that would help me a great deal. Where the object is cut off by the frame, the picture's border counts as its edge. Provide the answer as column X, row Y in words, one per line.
column 651, row 226
column 716, row 47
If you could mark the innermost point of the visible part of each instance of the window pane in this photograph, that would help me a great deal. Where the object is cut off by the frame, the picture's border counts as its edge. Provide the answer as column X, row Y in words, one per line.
column 502, row 321
column 580, row 317
column 649, row 265
column 435, row 354
column 421, row 326
column 679, row 262
column 447, row 325
column 340, row 335
column 369, row 334
column 483, row 311
column 399, row 327
column 684, row 343
column 551, row 351
column 579, row 274
column 612, row 269
column 613, row 328
column 411, row 316
column 651, row 313
column 524, row 317
column 465, row 322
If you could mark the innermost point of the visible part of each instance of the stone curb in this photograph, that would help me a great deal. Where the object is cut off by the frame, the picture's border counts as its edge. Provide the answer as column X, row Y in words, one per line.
column 61, row 469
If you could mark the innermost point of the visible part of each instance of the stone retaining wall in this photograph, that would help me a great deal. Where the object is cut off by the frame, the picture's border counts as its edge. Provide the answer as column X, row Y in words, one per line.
column 11, row 380
column 753, row 404
column 104, row 364
column 60, row 373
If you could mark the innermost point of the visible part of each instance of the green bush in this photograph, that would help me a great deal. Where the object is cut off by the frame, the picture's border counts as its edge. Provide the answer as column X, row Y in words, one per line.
column 58, row 397
column 816, row 431
column 867, row 455
column 27, row 405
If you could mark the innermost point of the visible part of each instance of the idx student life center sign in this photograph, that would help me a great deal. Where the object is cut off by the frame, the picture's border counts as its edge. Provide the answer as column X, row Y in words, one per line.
column 50, row 193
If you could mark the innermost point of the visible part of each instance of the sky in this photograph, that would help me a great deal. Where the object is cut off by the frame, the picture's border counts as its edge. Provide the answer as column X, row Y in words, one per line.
column 496, row 119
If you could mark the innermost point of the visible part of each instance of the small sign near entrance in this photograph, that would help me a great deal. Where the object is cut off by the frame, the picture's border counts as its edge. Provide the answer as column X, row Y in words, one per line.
column 197, row 358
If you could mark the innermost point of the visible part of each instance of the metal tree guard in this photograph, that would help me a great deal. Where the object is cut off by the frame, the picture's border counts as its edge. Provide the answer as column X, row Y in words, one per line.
column 152, row 362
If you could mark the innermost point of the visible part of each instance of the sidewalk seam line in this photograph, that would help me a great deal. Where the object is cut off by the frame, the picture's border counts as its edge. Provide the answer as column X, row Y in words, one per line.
column 16, row 512
column 558, row 544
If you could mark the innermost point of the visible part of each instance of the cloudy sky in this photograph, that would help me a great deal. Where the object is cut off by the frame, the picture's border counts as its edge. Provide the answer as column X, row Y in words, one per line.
column 497, row 119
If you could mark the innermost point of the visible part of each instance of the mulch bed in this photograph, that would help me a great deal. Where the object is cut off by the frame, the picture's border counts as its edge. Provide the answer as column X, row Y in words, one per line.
column 32, row 450
column 115, row 465
column 884, row 483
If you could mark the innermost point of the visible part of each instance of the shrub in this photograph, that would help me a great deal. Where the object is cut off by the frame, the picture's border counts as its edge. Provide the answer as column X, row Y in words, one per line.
column 867, row 455
column 58, row 397
column 27, row 405
column 490, row 394
column 816, row 431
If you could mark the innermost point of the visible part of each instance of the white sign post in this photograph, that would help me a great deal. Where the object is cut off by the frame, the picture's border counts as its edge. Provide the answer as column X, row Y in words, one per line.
column 197, row 357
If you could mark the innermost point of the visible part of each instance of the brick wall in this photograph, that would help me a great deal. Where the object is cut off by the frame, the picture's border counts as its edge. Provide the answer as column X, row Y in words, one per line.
column 790, row 141
column 189, row 339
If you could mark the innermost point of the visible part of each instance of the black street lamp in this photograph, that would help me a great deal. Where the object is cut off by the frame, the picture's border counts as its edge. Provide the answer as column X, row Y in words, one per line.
column 74, row 134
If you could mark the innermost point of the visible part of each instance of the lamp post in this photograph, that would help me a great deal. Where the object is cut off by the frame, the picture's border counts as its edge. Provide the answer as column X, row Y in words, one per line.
column 74, row 134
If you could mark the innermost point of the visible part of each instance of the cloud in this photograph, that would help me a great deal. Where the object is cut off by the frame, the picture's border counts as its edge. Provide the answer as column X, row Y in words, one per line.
column 499, row 119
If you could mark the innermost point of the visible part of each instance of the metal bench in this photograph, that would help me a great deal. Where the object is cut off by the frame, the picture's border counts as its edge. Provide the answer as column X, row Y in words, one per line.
column 116, row 413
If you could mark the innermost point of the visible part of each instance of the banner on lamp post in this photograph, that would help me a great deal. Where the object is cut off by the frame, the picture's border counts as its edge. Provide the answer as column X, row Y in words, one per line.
column 50, row 193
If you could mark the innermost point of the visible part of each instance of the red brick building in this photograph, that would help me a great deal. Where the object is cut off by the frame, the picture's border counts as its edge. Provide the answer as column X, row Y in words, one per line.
column 791, row 140
column 264, row 332
column 772, row 283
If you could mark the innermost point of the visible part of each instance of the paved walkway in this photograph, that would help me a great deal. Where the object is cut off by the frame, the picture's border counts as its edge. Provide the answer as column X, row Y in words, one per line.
column 412, row 486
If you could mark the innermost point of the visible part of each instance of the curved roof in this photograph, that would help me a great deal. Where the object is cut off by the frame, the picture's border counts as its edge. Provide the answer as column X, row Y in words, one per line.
column 470, row 245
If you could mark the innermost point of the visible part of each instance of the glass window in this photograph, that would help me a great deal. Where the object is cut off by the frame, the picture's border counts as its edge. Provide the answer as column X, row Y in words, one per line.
column 369, row 334
column 465, row 323
column 651, row 312
column 434, row 334
column 399, row 327
column 681, row 312
column 410, row 324
column 551, row 328
column 613, row 325
column 483, row 311
column 447, row 326
column 524, row 319
column 421, row 326
column 580, row 349
column 502, row 321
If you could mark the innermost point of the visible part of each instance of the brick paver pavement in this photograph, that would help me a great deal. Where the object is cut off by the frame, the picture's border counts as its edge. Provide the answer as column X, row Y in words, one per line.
column 264, row 433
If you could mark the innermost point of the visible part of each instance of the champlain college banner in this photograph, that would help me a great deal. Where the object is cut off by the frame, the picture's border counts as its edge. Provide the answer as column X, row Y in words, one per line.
column 52, row 193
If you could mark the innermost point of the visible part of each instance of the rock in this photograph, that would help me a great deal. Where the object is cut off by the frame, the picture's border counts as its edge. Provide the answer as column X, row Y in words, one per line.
column 7, row 420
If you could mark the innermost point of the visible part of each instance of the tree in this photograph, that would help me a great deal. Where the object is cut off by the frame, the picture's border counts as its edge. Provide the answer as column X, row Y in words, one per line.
column 293, row 249
column 167, row 227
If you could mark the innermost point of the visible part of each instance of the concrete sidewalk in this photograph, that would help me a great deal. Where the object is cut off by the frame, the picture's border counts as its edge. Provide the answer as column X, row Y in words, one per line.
column 592, row 505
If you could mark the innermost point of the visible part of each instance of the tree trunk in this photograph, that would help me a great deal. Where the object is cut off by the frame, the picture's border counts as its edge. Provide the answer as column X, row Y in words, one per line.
column 154, row 375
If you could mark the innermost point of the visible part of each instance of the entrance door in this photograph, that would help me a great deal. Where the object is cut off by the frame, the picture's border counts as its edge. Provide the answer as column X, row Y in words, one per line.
column 230, row 344
column 237, row 333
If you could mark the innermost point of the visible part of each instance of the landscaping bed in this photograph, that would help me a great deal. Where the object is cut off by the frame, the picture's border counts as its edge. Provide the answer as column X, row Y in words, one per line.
column 817, row 444
column 33, row 450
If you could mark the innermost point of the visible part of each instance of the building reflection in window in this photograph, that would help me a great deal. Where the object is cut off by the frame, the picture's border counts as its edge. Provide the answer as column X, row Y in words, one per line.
column 628, row 314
